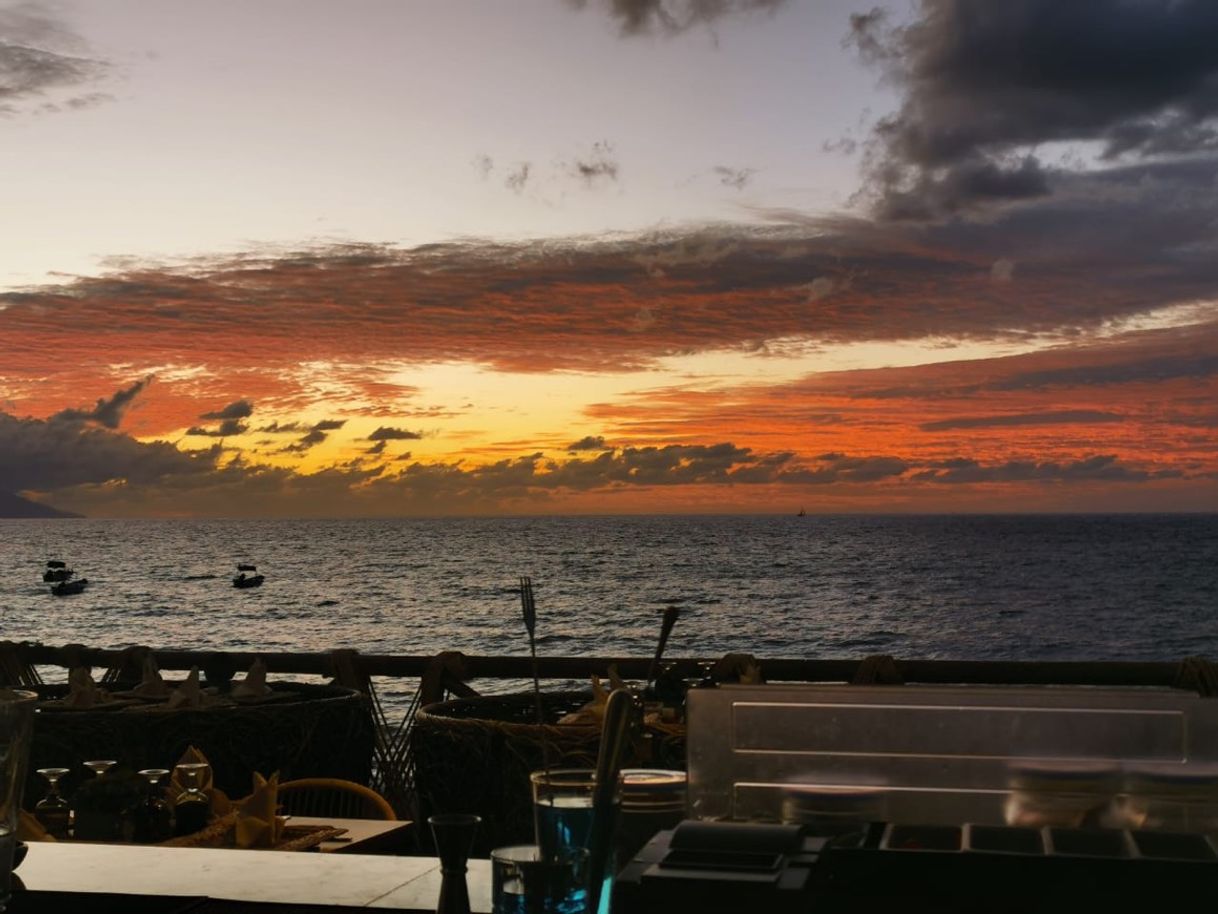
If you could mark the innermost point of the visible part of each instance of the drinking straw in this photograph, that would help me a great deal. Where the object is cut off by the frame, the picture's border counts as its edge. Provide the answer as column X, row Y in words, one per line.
column 671, row 614
column 604, row 790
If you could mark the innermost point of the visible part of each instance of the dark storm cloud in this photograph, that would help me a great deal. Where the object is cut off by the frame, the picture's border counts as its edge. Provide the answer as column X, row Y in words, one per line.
column 671, row 17
column 108, row 411
column 40, row 54
column 1101, row 468
column 306, row 442
column 223, row 430
column 829, row 469
column 588, row 443
column 385, row 433
column 1059, row 417
column 240, row 409
column 1108, row 246
column 1164, row 368
column 985, row 84
column 43, row 455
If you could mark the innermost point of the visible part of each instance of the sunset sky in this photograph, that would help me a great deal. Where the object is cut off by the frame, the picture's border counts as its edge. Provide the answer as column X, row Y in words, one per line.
column 416, row 257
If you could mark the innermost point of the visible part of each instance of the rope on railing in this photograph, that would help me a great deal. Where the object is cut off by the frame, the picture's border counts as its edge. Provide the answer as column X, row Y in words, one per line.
column 127, row 666
column 446, row 672
column 1199, row 675
column 878, row 669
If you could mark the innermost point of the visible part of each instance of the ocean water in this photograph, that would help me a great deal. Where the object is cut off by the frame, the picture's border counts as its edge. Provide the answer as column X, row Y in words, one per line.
column 1097, row 587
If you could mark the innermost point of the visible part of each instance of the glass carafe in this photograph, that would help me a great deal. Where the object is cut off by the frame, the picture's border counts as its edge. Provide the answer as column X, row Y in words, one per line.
column 53, row 811
column 153, row 817
column 100, row 766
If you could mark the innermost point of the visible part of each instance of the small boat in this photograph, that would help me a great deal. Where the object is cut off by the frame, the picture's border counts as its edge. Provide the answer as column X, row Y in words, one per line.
column 802, row 513
column 66, row 588
column 57, row 571
column 247, row 580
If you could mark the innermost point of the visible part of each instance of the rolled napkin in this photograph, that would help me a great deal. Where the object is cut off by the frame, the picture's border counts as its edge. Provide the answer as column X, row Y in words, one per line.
column 83, row 692
column 188, row 694
column 257, row 822
column 191, row 756
column 220, row 803
column 152, row 685
column 254, row 685
column 593, row 712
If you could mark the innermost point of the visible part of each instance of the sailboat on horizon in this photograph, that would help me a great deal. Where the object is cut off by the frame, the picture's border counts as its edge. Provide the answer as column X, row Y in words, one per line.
column 802, row 513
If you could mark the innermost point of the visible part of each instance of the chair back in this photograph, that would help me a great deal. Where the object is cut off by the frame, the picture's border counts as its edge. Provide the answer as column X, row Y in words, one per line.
column 333, row 797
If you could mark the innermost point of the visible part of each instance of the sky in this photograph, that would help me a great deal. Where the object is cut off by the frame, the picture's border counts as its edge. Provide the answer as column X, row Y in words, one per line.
column 296, row 258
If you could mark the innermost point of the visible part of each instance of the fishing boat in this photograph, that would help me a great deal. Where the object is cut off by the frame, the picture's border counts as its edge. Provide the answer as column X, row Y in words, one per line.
column 57, row 571
column 244, row 580
column 66, row 588
column 802, row 513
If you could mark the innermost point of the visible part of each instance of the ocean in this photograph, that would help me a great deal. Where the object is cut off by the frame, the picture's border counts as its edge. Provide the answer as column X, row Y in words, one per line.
column 1087, row 587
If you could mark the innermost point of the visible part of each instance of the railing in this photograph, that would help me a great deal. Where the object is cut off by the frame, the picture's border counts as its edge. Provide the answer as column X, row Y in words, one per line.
column 451, row 672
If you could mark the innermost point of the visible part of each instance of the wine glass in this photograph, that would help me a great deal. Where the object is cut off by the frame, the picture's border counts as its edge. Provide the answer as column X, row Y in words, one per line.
column 191, row 807
column 100, row 766
column 154, row 818
column 53, row 812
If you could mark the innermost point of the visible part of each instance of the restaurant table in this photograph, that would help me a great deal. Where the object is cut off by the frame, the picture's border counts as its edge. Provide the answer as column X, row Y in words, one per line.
column 362, row 836
column 168, row 880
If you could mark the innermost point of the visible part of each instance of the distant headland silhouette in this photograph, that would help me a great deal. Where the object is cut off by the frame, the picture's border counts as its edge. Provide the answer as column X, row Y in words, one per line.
column 15, row 506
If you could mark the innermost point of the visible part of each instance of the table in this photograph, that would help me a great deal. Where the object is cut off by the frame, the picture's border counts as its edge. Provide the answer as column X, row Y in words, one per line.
column 146, row 873
column 363, row 836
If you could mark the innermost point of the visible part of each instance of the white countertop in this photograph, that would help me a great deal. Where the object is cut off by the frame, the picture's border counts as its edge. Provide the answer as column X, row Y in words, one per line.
column 355, row 880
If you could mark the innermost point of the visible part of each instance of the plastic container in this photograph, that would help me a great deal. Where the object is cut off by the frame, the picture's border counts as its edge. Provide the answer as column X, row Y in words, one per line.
column 1172, row 797
column 652, row 800
column 1063, row 794
column 829, row 811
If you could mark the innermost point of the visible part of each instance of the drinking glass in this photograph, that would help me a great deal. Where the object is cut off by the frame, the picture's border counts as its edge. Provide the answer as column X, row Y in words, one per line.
column 53, row 811
column 153, row 817
column 526, row 881
column 562, row 808
column 16, row 725
column 562, row 816
column 100, row 766
column 192, row 807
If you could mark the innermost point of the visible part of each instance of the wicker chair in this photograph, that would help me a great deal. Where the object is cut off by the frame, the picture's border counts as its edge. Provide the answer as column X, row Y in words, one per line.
column 333, row 797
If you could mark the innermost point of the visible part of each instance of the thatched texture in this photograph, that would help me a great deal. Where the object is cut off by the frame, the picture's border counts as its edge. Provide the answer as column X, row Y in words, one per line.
column 314, row 731
column 475, row 755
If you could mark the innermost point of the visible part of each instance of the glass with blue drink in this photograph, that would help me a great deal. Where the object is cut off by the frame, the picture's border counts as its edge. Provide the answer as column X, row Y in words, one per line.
column 562, row 816
column 524, row 881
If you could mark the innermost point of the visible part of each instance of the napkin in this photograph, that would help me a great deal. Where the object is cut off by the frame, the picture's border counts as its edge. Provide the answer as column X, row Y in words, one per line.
column 30, row 829
column 593, row 713
column 220, row 803
column 188, row 694
column 151, row 684
column 257, row 823
column 83, row 692
column 254, row 685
